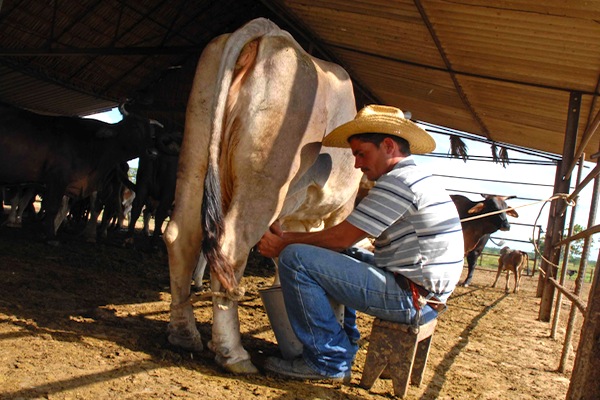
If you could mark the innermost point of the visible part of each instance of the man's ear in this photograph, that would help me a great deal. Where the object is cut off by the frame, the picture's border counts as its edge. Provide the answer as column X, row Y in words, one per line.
column 390, row 144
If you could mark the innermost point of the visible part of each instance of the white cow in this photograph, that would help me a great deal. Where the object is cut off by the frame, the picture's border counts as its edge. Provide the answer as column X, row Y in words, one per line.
column 251, row 154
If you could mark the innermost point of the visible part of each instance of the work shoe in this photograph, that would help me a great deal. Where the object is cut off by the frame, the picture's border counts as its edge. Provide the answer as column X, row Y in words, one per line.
column 298, row 369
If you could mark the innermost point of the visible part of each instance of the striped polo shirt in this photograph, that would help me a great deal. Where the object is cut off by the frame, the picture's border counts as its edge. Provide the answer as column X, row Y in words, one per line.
column 416, row 226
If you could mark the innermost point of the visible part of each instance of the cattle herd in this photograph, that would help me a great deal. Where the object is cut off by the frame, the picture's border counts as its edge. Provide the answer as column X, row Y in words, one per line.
column 78, row 166
column 245, row 160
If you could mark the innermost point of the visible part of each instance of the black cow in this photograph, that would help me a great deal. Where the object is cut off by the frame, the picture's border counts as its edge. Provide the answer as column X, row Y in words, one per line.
column 155, row 185
column 474, row 230
column 67, row 155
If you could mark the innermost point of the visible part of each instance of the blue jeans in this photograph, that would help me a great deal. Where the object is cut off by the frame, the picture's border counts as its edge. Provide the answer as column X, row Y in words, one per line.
column 309, row 275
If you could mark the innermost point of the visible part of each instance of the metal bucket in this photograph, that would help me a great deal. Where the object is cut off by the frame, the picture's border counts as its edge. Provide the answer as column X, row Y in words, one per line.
column 288, row 343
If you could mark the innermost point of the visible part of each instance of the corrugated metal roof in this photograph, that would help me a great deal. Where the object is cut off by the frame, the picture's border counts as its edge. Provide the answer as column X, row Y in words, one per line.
column 502, row 70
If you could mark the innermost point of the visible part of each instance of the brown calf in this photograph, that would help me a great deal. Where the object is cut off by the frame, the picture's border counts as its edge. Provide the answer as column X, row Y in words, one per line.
column 511, row 261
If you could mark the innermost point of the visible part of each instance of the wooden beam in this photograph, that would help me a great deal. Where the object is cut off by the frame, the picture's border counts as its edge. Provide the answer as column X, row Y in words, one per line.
column 587, row 136
column 99, row 51
column 575, row 299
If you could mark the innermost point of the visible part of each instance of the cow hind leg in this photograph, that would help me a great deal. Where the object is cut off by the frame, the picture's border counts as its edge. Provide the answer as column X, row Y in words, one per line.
column 506, row 288
column 182, row 238
column 497, row 275
column 91, row 226
column 226, row 339
column 136, row 210
column 13, row 215
column 161, row 215
column 182, row 330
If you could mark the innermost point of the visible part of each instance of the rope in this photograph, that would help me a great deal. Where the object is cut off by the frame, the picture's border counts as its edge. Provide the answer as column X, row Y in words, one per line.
column 570, row 202
column 234, row 295
column 238, row 293
column 556, row 196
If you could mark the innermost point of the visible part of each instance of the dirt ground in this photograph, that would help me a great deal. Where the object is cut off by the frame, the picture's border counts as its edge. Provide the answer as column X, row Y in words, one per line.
column 88, row 321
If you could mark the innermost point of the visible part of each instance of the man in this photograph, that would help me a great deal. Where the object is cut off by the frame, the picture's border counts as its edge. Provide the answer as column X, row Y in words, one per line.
column 418, row 255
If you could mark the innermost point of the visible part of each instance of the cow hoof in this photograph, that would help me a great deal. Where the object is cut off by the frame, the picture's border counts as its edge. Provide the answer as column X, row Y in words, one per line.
column 465, row 284
column 53, row 242
column 190, row 343
column 244, row 367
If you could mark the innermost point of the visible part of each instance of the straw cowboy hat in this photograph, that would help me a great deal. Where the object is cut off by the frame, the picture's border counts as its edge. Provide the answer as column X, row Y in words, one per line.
column 382, row 119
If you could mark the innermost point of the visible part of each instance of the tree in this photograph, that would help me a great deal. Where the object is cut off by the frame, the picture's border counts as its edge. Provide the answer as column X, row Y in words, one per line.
column 541, row 244
column 577, row 245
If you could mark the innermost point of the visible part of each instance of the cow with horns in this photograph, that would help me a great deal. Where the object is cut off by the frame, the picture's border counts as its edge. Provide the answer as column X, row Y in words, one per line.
column 67, row 156
column 476, row 231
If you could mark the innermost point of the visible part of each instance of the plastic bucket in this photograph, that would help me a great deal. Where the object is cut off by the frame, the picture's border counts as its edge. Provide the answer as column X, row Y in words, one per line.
column 288, row 343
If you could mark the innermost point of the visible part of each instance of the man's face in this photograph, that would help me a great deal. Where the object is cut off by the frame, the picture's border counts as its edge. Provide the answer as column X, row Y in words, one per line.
column 372, row 160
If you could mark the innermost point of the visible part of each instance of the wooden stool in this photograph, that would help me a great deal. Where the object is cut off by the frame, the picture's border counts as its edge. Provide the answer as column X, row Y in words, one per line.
column 397, row 347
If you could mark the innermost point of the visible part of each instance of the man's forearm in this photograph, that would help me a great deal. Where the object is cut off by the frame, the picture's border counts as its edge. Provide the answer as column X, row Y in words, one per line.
column 335, row 238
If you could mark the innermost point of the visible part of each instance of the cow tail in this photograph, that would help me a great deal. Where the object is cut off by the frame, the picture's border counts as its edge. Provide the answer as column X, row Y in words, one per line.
column 212, row 207
column 213, row 226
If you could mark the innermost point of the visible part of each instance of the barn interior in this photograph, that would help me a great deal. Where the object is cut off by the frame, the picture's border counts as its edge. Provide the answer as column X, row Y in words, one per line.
column 523, row 75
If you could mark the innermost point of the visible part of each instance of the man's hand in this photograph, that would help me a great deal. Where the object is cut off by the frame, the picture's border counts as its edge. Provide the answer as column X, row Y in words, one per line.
column 271, row 244
column 276, row 228
column 336, row 238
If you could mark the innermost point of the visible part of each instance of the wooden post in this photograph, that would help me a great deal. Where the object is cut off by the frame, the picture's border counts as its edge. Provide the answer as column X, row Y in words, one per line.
column 556, row 217
column 535, row 254
column 586, row 372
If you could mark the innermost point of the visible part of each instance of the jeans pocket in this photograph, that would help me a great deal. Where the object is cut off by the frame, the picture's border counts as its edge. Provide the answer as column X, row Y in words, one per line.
column 402, row 316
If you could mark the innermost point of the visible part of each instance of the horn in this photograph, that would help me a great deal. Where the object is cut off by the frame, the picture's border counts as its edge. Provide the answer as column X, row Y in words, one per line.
column 155, row 122
column 507, row 197
column 123, row 110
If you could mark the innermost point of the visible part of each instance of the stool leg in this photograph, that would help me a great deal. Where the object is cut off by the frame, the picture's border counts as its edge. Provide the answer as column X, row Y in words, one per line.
column 401, row 365
column 420, row 361
column 377, row 360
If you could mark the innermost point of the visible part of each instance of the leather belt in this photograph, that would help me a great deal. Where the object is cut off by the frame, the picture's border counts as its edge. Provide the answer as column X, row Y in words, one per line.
column 418, row 290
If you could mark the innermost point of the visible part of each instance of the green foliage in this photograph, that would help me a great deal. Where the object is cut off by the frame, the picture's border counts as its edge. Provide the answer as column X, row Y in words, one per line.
column 132, row 173
column 541, row 244
column 576, row 245
column 489, row 260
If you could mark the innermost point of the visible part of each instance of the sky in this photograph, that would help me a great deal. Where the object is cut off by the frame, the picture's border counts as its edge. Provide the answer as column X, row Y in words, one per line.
column 530, row 183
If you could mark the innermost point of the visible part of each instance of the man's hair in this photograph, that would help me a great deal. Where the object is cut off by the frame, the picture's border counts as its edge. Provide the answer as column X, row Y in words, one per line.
column 377, row 138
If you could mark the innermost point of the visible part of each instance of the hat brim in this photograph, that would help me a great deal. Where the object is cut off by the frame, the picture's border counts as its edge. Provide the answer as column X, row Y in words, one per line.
column 420, row 141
